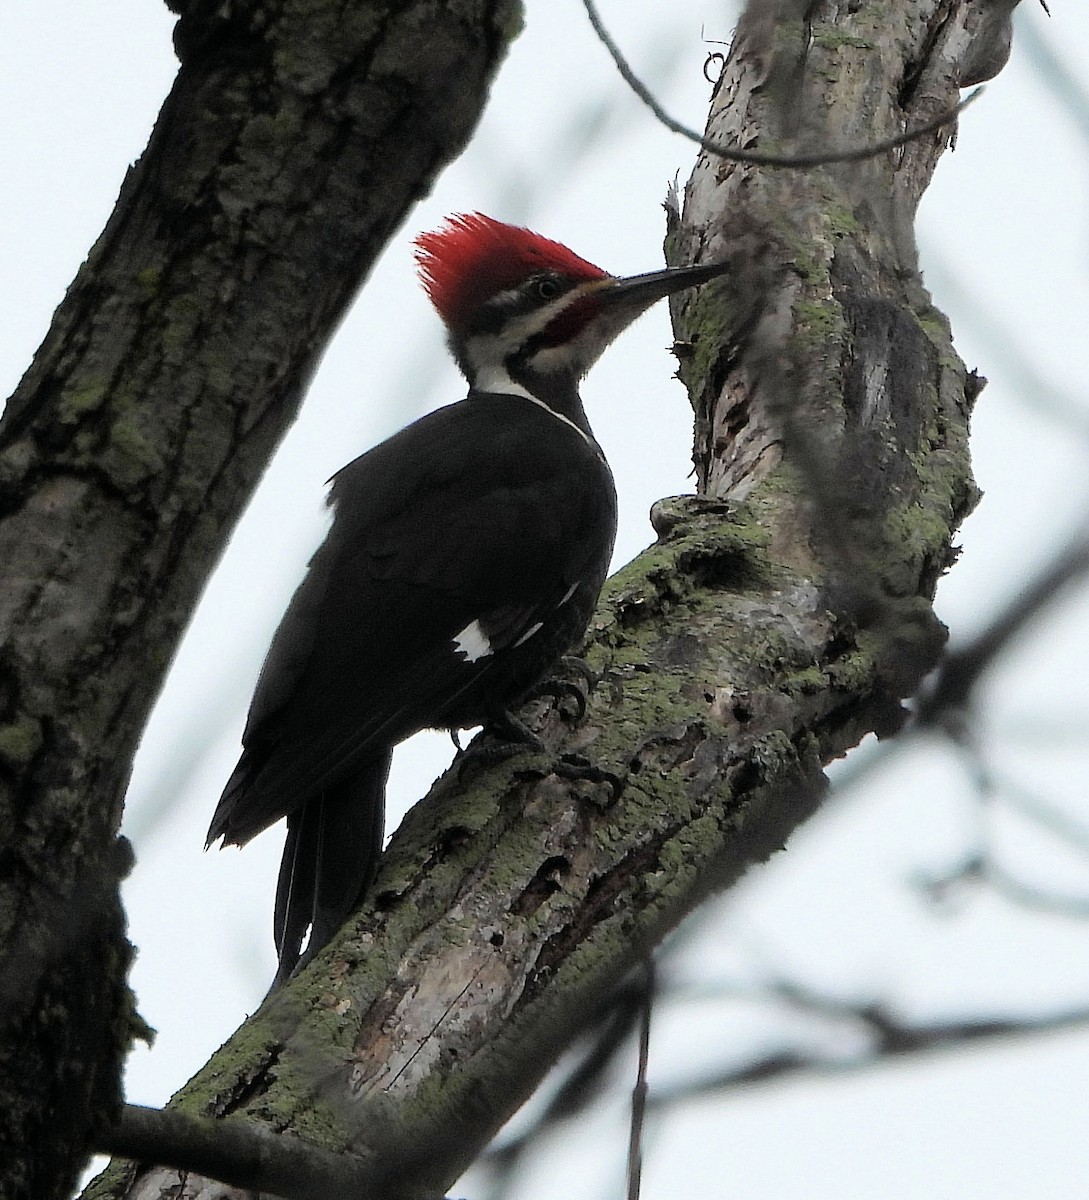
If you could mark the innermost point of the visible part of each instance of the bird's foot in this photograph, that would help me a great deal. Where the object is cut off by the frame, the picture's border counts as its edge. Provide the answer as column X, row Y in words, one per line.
column 503, row 737
column 513, row 733
column 568, row 689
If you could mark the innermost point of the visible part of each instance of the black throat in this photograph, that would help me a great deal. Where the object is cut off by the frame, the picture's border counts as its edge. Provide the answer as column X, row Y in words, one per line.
column 557, row 391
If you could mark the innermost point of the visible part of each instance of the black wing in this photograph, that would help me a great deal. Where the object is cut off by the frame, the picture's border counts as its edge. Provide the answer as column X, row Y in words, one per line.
column 487, row 519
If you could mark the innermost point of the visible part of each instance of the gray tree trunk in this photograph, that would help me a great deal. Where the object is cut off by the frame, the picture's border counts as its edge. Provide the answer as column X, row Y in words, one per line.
column 294, row 141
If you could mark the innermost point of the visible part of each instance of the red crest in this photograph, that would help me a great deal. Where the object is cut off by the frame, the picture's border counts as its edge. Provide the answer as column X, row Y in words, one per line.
column 473, row 257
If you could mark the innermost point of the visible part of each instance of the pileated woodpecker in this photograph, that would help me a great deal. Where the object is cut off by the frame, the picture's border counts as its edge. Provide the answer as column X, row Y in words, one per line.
column 465, row 556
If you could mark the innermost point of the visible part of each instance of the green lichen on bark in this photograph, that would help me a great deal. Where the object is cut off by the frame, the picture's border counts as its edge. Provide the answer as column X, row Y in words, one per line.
column 20, row 740
column 778, row 620
column 297, row 135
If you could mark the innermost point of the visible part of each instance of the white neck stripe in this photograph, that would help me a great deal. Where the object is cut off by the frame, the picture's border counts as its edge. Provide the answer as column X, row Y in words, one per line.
column 496, row 379
column 566, row 420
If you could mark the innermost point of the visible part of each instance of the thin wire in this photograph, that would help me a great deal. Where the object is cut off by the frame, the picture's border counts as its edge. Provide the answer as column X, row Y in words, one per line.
column 755, row 157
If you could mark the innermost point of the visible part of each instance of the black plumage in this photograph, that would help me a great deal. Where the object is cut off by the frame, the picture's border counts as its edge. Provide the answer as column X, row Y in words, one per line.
column 466, row 555
column 492, row 511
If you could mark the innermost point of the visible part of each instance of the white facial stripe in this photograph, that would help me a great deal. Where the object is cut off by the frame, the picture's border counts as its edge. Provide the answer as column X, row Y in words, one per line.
column 578, row 353
column 560, row 417
column 488, row 352
column 472, row 642
column 519, row 332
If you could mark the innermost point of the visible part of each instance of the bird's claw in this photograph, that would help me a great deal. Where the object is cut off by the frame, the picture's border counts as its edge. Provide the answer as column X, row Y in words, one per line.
column 561, row 689
column 516, row 734
column 504, row 737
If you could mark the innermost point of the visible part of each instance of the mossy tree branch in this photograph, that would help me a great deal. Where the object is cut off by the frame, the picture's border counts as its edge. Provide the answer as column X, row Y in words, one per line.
column 784, row 613
column 296, row 137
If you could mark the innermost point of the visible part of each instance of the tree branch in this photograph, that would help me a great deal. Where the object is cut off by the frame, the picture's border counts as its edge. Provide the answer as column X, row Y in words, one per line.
column 885, row 1033
column 783, row 614
column 297, row 135
column 890, row 1038
column 945, row 700
column 238, row 1153
column 961, row 669
column 639, row 1092
column 736, row 154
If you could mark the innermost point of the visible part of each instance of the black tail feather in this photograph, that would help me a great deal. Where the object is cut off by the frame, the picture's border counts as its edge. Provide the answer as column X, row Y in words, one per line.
column 330, row 856
column 295, row 888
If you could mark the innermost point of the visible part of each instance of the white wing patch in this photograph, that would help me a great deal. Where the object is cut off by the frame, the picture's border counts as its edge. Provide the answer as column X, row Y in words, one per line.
column 472, row 642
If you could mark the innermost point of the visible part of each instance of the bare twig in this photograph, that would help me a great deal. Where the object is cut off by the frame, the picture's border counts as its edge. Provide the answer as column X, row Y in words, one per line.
column 886, row 1036
column 1042, row 812
column 608, row 1030
column 941, row 704
column 980, row 869
column 889, row 1037
column 1007, row 356
column 961, row 669
column 789, row 161
column 639, row 1092
column 1027, row 896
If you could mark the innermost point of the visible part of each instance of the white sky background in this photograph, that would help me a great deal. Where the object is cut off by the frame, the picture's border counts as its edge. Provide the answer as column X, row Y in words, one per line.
column 1005, row 238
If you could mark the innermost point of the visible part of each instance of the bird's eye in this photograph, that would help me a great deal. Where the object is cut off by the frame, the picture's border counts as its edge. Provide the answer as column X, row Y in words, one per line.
column 547, row 289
